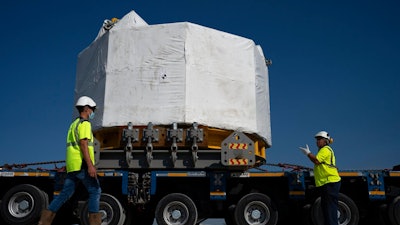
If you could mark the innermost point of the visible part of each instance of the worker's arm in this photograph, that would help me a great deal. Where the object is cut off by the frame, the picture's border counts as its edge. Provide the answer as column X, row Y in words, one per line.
column 313, row 158
column 84, row 143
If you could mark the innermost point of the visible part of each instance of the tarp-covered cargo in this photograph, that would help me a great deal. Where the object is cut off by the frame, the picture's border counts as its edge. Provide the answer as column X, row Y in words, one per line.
column 177, row 72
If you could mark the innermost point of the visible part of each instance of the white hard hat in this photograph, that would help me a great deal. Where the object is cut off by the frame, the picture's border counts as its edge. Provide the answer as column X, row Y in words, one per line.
column 85, row 100
column 323, row 134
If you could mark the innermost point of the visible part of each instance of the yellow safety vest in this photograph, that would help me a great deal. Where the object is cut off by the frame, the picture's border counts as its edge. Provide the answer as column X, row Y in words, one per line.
column 326, row 172
column 79, row 129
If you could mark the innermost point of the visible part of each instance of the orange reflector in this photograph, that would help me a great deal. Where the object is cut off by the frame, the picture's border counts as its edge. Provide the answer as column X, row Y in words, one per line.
column 177, row 174
column 280, row 174
column 350, row 174
column 297, row 192
column 32, row 174
column 376, row 193
column 394, row 173
column 217, row 193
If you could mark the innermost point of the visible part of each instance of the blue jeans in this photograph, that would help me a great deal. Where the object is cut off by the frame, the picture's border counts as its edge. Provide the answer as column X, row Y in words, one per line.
column 329, row 202
column 92, row 186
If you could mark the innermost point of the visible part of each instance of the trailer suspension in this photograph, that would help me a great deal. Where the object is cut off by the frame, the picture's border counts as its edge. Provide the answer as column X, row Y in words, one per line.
column 130, row 136
column 175, row 135
column 150, row 135
column 195, row 135
column 139, row 190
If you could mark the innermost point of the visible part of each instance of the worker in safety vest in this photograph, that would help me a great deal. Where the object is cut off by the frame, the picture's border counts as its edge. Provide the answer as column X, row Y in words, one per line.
column 80, row 165
column 326, row 176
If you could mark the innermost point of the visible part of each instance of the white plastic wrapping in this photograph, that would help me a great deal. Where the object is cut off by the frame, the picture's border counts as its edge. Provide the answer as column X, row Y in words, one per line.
column 178, row 72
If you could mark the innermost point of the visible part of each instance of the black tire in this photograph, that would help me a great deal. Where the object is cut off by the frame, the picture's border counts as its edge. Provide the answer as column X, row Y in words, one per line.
column 23, row 205
column 347, row 211
column 229, row 215
column 394, row 211
column 111, row 209
column 306, row 215
column 46, row 199
column 176, row 209
column 381, row 215
column 256, row 209
column 129, row 214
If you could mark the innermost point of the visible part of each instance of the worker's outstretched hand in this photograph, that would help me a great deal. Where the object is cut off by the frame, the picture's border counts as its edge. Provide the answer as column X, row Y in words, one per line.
column 305, row 150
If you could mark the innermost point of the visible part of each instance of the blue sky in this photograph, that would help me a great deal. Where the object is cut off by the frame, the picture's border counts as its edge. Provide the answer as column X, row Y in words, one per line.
column 335, row 68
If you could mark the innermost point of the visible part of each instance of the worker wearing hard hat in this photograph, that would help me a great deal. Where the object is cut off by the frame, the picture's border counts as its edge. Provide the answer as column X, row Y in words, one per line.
column 80, row 165
column 326, row 176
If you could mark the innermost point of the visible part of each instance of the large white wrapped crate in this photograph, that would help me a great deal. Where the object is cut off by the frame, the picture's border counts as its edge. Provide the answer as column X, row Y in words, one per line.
column 177, row 72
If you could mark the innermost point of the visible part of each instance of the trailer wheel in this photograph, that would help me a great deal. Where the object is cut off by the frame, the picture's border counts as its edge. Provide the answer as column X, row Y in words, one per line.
column 112, row 212
column 394, row 211
column 176, row 209
column 256, row 209
column 229, row 215
column 379, row 215
column 46, row 199
column 347, row 211
column 23, row 204
column 306, row 215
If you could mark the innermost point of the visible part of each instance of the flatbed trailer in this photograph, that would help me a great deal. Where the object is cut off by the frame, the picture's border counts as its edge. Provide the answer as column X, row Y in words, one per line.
column 184, row 173
column 253, row 196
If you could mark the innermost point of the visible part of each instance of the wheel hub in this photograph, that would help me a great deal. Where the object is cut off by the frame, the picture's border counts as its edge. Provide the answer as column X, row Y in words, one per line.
column 23, row 205
column 256, row 214
column 176, row 214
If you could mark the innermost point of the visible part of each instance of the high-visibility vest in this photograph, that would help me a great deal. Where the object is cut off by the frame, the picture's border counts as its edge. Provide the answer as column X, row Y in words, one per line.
column 326, row 172
column 79, row 129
